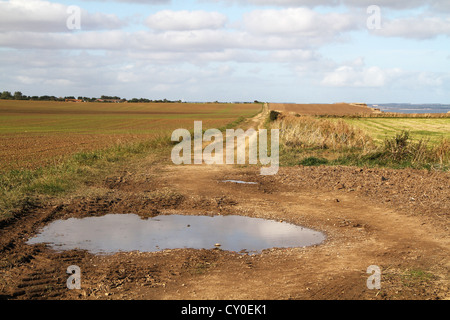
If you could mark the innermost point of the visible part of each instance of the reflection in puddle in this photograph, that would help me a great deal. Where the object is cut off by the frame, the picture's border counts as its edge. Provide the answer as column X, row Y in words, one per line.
column 128, row 232
column 239, row 181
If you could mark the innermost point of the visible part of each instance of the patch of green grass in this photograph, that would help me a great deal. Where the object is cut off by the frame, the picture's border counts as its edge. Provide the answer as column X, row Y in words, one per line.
column 414, row 277
column 233, row 124
column 313, row 161
column 380, row 129
column 20, row 186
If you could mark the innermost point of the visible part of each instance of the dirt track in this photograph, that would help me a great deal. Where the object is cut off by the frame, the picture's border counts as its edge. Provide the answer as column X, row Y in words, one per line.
column 395, row 219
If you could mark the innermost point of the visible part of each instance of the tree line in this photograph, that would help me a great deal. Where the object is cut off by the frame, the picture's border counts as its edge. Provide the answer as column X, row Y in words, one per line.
column 19, row 96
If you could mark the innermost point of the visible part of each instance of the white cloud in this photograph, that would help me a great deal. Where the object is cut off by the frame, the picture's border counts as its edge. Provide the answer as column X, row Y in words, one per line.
column 149, row 2
column 419, row 27
column 298, row 22
column 186, row 20
column 430, row 79
column 396, row 5
column 45, row 16
column 359, row 76
column 295, row 55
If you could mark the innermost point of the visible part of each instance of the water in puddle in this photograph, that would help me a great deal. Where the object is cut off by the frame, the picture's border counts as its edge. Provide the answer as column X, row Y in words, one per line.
column 128, row 232
column 239, row 181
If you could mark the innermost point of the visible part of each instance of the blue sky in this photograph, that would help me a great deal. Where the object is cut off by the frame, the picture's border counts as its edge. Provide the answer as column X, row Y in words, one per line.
column 229, row 50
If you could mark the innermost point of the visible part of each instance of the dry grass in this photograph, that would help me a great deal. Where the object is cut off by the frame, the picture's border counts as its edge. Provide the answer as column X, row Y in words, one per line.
column 402, row 148
column 310, row 140
column 308, row 131
column 442, row 151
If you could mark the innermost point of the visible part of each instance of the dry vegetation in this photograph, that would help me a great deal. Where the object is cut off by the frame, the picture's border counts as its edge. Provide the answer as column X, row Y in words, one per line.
column 321, row 133
column 310, row 140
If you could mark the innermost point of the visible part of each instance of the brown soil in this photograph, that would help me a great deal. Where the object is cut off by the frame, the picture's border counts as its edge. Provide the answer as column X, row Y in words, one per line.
column 395, row 219
column 336, row 109
column 23, row 151
column 46, row 145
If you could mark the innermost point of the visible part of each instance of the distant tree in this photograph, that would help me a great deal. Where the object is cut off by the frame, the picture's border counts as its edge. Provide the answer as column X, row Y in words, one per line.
column 18, row 95
column 47, row 98
column 110, row 97
column 6, row 95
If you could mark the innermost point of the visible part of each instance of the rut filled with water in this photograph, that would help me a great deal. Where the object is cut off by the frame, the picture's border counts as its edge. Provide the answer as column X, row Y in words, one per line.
column 128, row 232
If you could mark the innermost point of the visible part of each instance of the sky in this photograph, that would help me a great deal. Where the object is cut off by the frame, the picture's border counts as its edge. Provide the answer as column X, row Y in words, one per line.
column 302, row 51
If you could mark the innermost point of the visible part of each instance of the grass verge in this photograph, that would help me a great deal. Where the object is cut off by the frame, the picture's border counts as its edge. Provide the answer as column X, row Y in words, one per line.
column 311, row 141
column 20, row 188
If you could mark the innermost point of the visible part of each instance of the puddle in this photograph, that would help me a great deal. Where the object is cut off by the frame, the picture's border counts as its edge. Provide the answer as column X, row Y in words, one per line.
column 128, row 232
column 239, row 181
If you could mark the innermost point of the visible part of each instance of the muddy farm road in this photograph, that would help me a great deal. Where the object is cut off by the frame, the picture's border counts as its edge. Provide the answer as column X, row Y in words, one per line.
column 394, row 219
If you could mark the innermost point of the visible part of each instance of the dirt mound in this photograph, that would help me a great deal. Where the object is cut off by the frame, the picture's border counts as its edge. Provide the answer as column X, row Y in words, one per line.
column 414, row 192
column 337, row 109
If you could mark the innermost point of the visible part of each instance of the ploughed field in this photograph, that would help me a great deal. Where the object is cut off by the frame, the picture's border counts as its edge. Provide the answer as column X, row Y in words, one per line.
column 36, row 133
column 336, row 109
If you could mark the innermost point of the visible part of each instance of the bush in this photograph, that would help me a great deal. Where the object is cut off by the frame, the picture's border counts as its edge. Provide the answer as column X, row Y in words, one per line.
column 273, row 115
column 397, row 148
column 401, row 149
